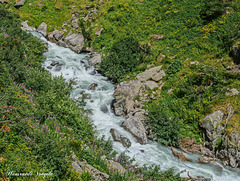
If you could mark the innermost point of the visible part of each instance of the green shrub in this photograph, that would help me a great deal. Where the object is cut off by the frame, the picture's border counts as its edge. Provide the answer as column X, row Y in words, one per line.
column 174, row 67
column 122, row 59
column 212, row 10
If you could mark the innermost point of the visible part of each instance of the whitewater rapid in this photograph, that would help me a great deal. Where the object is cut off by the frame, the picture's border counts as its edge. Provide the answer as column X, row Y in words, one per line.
column 75, row 67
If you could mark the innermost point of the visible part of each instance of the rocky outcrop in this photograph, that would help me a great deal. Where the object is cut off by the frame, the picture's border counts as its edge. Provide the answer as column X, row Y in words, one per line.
column 119, row 138
column 42, row 29
column 230, row 150
column 129, row 97
column 224, row 145
column 83, row 166
column 213, row 128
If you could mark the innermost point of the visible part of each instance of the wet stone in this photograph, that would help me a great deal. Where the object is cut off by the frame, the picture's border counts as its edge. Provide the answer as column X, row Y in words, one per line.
column 54, row 63
column 92, row 86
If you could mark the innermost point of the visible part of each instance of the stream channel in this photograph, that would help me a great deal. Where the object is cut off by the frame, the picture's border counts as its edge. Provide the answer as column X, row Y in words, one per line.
column 75, row 67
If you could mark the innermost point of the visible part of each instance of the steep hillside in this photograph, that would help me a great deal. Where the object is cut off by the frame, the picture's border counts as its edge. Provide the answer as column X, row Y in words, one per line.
column 195, row 41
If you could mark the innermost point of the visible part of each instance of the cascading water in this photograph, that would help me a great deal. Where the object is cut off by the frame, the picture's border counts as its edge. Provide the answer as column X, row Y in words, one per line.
column 75, row 67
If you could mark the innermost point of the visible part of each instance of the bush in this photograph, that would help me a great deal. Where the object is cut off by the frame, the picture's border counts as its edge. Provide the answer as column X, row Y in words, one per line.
column 122, row 59
column 212, row 10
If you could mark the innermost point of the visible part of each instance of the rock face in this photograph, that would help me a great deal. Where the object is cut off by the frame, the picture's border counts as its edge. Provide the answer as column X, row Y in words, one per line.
column 154, row 73
column 224, row 145
column 230, row 149
column 42, row 29
column 117, row 137
column 124, row 94
column 83, row 166
column 19, row 3
column 213, row 128
column 136, row 128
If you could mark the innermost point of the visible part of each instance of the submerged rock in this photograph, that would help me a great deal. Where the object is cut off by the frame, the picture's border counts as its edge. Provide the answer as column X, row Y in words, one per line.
column 92, row 86
column 119, row 138
column 104, row 108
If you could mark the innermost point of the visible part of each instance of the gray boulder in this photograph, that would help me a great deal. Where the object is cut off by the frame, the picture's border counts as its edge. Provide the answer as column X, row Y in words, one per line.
column 213, row 127
column 95, row 59
column 75, row 42
column 124, row 95
column 136, row 128
column 150, row 84
column 154, row 73
column 19, row 3
column 42, row 29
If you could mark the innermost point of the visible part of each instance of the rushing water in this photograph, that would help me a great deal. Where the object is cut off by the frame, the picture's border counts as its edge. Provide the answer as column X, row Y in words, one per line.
column 75, row 67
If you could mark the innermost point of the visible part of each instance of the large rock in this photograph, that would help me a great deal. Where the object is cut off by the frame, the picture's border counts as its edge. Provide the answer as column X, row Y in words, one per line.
column 231, row 149
column 119, row 138
column 42, row 29
column 154, row 73
column 213, row 127
column 124, row 95
column 5, row 1
column 136, row 128
column 95, row 59
column 150, row 84
column 75, row 42
column 19, row 3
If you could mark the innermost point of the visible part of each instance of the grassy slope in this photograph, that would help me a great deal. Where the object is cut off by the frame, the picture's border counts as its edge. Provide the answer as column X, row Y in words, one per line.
column 185, row 36
column 40, row 126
